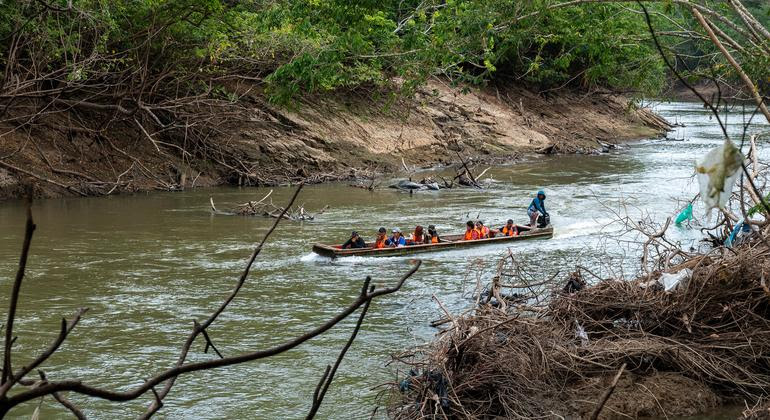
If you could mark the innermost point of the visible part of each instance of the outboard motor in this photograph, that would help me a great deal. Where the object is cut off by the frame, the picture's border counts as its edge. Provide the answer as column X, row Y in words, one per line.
column 543, row 220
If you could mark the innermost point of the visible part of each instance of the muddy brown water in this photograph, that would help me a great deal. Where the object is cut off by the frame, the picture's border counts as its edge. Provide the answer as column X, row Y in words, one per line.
column 147, row 265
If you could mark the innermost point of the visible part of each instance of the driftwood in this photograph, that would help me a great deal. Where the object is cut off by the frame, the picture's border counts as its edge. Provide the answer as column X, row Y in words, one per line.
column 552, row 351
column 372, row 185
column 424, row 184
column 268, row 209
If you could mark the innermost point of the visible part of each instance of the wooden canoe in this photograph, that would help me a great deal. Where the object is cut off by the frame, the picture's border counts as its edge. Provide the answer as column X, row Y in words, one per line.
column 447, row 242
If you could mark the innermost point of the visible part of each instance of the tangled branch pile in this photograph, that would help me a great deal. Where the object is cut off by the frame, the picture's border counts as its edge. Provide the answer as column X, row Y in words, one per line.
column 268, row 209
column 685, row 349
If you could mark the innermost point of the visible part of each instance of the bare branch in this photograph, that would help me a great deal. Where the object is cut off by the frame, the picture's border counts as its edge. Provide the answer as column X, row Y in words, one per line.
column 66, row 328
column 63, row 401
column 745, row 78
column 200, row 328
column 81, row 388
column 14, row 298
column 328, row 376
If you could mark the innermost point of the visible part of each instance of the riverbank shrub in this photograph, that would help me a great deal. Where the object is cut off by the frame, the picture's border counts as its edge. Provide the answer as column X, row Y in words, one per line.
column 298, row 47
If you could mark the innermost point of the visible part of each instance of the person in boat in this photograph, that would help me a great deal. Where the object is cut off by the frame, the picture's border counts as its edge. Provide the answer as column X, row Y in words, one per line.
column 355, row 241
column 382, row 238
column 397, row 240
column 432, row 236
column 417, row 237
column 536, row 208
column 471, row 233
column 509, row 229
column 483, row 230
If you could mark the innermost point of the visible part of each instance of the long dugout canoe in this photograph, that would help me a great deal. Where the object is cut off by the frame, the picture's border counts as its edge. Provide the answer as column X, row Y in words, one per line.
column 447, row 242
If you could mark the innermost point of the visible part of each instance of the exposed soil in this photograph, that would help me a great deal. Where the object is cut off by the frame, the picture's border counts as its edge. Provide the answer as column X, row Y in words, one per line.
column 326, row 138
column 709, row 90
column 655, row 396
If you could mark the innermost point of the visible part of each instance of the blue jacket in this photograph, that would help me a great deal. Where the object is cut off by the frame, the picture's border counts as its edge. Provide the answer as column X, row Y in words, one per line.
column 391, row 241
column 537, row 204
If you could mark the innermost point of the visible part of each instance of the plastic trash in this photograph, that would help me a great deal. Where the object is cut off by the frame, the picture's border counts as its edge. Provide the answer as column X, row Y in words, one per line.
column 580, row 333
column 740, row 230
column 684, row 215
column 717, row 173
column 671, row 281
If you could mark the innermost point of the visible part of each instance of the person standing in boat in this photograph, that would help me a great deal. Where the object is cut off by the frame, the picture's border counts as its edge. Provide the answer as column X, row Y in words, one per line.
column 355, row 241
column 537, row 208
column 397, row 240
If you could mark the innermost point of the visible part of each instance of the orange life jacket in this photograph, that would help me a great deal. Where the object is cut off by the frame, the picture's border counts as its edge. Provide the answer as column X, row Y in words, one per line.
column 380, row 242
column 472, row 234
column 434, row 240
column 418, row 239
column 509, row 232
column 483, row 232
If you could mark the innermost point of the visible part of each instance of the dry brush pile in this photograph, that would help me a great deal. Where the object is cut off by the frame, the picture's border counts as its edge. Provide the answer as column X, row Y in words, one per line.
column 684, row 350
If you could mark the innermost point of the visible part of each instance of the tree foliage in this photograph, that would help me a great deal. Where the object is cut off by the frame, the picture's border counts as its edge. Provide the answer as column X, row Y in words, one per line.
column 305, row 46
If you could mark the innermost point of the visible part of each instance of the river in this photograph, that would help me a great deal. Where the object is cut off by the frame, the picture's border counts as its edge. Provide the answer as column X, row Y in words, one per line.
column 148, row 264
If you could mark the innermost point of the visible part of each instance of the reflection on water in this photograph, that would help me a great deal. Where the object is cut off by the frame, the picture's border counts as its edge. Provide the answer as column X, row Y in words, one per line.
column 147, row 265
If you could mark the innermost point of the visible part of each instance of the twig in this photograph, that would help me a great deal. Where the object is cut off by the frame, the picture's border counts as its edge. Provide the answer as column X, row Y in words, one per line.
column 79, row 387
column 205, row 324
column 14, row 298
column 66, row 328
column 606, row 395
column 746, row 80
column 328, row 376
column 63, row 401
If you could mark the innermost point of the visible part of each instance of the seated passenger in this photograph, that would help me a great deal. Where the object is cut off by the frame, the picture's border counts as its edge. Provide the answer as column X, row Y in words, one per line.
column 397, row 240
column 355, row 241
column 432, row 236
column 382, row 238
column 471, row 233
column 509, row 229
column 417, row 237
column 483, row 230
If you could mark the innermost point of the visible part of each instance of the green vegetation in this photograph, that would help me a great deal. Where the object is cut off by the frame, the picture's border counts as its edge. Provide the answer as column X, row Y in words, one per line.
column 306, row 46
column 300, row 47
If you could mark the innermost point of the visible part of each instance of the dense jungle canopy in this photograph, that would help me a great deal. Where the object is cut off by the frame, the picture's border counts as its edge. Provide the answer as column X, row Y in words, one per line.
column 298, row 47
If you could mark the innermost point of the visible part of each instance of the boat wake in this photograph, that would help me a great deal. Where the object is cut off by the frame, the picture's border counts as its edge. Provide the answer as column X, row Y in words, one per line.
column 579, row 228
column 312, row 257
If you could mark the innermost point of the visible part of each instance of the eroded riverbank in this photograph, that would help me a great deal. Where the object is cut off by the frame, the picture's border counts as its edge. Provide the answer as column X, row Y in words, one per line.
column 331, row 138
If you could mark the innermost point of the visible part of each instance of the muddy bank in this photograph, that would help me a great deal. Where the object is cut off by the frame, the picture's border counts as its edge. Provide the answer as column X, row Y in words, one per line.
column 325, row 138
column 711, row 91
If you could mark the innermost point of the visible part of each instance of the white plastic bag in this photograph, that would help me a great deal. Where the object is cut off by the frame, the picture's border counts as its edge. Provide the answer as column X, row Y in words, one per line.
column 580, row 333
column 717, row 173
column 671, row 281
